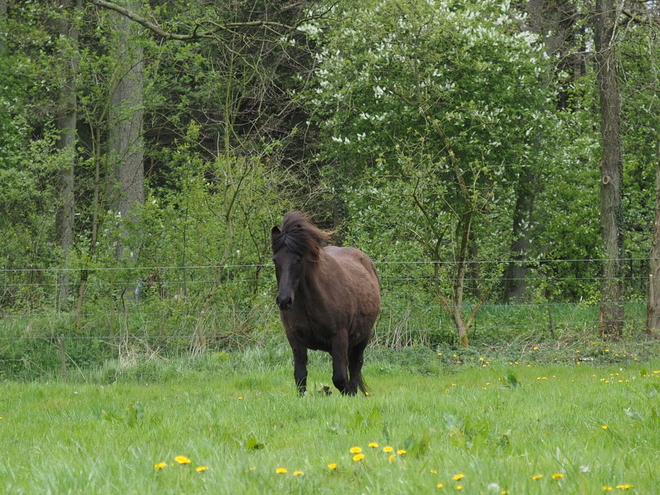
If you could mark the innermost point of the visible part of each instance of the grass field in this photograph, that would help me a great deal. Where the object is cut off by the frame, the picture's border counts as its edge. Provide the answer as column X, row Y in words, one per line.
column 476, row 424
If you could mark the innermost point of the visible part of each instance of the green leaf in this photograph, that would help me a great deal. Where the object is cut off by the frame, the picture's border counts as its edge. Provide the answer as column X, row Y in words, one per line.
column 134, row 413
column 511, row 381
column 253, row 444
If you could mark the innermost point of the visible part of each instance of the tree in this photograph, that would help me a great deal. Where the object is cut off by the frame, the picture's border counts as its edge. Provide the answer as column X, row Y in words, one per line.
column 66, row 121
column 125, row 140
column 606, row 16
column 3, row 13
column 653, row 300
column 408, row 85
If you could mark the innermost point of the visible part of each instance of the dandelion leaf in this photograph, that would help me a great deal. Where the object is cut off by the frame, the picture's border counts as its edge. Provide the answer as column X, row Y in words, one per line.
column 386, row 434
column 511, row 381
column 134, row 413
column 503, row 442
column 113, row 418
column 457, row 437
column 374, row 420
column 417, row 447
column 253, row 444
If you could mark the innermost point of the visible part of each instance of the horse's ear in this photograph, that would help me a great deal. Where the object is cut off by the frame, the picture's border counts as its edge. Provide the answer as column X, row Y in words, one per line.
column 274, row 232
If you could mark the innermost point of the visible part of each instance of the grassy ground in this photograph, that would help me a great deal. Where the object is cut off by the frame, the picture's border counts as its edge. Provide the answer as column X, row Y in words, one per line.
column 475, row 424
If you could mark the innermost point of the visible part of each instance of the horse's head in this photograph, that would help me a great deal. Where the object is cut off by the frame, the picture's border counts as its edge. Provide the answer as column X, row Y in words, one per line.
column 295, row 245
column 288, row 270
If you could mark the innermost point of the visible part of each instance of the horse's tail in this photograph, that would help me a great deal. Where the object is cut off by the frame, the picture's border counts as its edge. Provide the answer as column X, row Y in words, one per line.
column 363, row 386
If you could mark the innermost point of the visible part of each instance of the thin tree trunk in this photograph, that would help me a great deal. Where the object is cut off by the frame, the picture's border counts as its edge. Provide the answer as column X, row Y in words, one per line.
column 65, row 122
column 126, row 151
column 3, row 13
column 653, row 301
column 611, row 209
column 516, row 271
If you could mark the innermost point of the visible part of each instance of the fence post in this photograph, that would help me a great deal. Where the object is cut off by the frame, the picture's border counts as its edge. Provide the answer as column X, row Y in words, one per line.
column 63, row 356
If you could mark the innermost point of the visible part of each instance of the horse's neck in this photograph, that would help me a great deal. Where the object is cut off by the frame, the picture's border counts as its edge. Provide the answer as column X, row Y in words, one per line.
column 316, row 276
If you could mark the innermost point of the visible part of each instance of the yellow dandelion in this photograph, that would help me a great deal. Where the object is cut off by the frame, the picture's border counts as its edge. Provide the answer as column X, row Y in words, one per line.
column 459, row 487
column 373, row 445
column 160, row 466
column 459, row 477
column 505, row 492
column 182, row 459
column 392, row 457
column 332, row 466
column 624, row 487
column 387, row 449
column 298, row 473
column 535, row 348
column 201, row 469
column 604, row 427
column 358, row 457
column 281, row 471
column 401, row 451
column 439, row 485
column 433, row 471
column 355, row 450
column 537, row 477
column 557, row 476
column 607, row 488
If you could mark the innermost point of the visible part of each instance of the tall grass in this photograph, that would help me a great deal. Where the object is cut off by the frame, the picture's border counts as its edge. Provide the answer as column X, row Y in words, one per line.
column 488, row 425
column 38, row 345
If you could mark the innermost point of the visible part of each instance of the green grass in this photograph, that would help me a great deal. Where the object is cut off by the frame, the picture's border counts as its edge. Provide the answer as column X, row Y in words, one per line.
column 496, row 422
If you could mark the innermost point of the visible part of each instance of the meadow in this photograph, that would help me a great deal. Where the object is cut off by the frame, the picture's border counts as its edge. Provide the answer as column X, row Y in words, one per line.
column 435, row 422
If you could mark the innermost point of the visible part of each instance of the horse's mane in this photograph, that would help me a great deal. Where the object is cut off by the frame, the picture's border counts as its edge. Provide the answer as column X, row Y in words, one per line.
column 300, row 235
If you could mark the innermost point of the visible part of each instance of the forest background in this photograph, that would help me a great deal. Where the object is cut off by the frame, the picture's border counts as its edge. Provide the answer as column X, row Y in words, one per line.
column 498, row 161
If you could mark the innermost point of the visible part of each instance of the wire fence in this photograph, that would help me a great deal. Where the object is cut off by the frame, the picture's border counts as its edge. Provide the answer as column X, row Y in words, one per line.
column 53, row 318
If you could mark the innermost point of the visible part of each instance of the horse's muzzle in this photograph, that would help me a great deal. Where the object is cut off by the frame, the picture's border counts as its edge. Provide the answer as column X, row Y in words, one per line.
column 284, row 303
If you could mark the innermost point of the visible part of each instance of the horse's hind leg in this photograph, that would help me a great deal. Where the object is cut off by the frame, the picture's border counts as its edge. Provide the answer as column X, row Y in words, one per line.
column 355, row 361
column 339, row 365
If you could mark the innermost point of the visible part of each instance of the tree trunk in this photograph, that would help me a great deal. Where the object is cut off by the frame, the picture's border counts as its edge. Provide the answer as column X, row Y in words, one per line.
column 514, row 275
column 65, row 122
column 125, row 141
column 3, row 13
column 653, row 301
column 611, row 210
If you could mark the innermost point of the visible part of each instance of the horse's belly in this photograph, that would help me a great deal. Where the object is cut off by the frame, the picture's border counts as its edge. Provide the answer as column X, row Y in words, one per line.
column 317, row 341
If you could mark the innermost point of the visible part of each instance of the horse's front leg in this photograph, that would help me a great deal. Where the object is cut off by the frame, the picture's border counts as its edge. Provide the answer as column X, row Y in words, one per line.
column 355, row 361
column 299, row 365
column 340, row 364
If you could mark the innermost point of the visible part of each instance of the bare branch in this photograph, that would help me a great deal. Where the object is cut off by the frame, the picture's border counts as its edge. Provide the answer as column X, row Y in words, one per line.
column 641, row 18
column 156, row 29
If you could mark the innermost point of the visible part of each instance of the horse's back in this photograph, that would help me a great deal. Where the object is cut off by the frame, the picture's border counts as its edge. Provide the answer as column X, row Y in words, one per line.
column 361, row 276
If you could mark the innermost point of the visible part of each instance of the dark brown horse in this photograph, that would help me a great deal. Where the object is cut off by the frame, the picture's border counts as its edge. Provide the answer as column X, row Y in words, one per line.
column 329, row 298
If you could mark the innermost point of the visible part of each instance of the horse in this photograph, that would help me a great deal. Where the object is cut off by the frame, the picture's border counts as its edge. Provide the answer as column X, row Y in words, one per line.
column 329, row 299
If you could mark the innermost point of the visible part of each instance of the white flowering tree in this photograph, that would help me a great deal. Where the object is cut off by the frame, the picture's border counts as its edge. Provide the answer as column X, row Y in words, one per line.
column 431, row 112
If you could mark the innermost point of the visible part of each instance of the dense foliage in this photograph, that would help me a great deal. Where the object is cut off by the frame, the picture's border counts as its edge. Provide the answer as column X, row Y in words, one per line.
column 455, row 143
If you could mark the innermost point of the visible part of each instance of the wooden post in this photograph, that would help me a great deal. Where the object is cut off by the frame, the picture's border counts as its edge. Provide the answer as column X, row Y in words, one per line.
column 63, row 356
